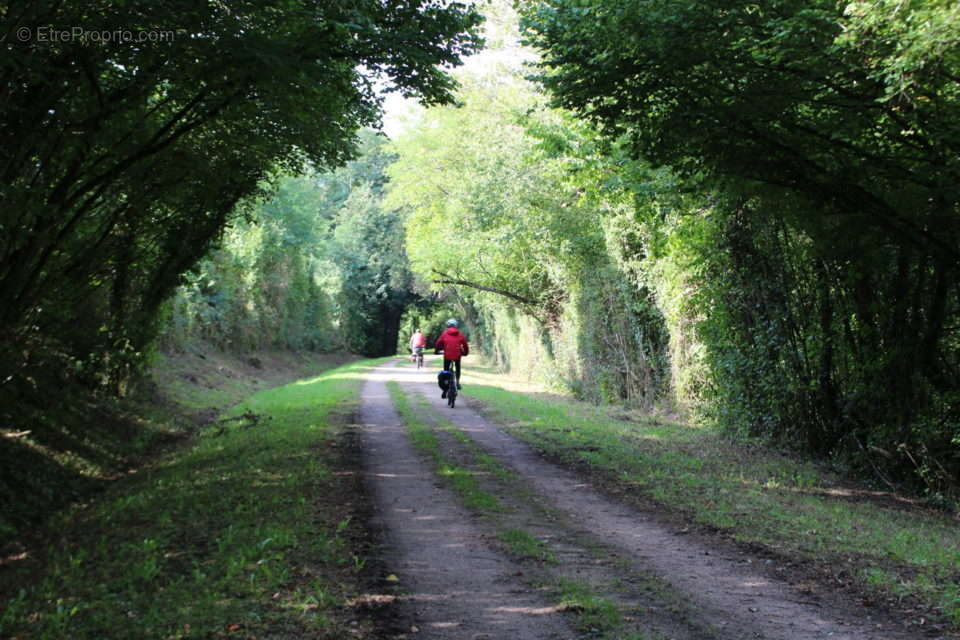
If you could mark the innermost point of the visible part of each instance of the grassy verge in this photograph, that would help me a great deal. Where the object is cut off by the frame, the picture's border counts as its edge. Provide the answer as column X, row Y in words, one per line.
column 523, row 545
column 202, row 378
column 58, row 450
column 884, row 543
column 595, row 615
column 236, row 536
column 54, row 451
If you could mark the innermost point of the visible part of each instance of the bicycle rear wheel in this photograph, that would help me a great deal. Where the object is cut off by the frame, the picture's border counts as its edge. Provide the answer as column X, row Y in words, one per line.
column 452, row 395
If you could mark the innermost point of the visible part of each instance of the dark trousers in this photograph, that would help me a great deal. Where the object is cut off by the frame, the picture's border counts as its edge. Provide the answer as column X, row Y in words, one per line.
column 447, row 363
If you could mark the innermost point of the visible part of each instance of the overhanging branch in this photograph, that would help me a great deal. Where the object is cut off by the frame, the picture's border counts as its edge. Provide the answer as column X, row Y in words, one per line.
column 447, row 279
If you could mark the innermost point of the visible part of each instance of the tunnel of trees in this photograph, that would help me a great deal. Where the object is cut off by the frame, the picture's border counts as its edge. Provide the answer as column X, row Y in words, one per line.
column 749, row 212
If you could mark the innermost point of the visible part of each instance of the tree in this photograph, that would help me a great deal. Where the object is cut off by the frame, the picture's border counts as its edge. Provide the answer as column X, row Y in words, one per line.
column 766, row 99
column 123, row 158
column 367, row 250
column 485, row 212
column 830, row 134
column 506, row 203
column 262, row 285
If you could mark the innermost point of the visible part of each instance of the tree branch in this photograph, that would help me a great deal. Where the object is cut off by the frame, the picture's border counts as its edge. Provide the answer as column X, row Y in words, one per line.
column 447, row 279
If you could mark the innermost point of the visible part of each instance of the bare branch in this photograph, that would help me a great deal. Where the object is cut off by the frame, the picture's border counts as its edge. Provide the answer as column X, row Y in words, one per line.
column 446, row 279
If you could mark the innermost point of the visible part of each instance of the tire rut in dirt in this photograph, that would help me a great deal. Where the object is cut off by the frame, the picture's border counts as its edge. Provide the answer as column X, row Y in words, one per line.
column 638, row 603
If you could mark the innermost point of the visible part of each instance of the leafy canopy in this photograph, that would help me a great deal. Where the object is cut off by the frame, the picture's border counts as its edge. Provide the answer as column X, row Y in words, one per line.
column 854, row 114
column 122, row 161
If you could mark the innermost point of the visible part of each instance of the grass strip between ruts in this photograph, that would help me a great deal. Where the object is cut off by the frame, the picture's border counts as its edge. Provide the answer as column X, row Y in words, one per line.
column 425, row 440
column 228, row 538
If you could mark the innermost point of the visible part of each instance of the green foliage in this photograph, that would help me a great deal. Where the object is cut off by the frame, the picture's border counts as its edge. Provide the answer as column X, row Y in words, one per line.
column 479, row 212
column 772, row 97
column 826, row 353
column 132, row 134
column 512, row 218
column 263, row 286
column 319, row 265
column 123, row 159
column 904, row 49
column 367, row 249
column 429, row 315
column 822, row 140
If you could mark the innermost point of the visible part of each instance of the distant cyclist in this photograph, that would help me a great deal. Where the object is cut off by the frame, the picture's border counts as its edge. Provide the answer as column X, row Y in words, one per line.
column 454, row 346
column 418, row 342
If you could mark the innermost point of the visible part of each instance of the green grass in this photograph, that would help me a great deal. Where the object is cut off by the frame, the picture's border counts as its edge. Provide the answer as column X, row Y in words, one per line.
column 462, row 480
column 204, row 377
column 194, row 396
column 758, row 496
column 482, row 459
column 227, row 537
column 520, row 543
column 595, row 615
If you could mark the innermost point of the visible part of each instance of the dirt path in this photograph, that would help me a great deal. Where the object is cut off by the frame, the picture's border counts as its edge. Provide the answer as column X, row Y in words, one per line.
column 454, row 585
column 460, row 582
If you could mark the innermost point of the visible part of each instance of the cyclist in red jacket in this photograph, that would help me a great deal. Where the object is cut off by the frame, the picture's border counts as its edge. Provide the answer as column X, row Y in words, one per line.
column 454, row 346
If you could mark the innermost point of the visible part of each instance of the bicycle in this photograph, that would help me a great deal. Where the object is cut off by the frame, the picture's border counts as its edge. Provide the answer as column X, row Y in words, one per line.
column 452, row 391
column 448, row 382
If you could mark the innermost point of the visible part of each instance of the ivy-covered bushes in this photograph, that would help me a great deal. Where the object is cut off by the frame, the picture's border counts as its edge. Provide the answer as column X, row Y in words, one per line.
column 826, row 353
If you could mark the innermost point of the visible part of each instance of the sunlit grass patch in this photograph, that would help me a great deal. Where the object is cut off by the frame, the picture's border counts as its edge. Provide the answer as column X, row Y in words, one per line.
column 464, row 482
column 223, row 537
column 595, row 615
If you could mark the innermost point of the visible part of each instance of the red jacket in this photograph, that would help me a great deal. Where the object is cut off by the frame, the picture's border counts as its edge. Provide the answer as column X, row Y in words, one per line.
column 453, row 343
